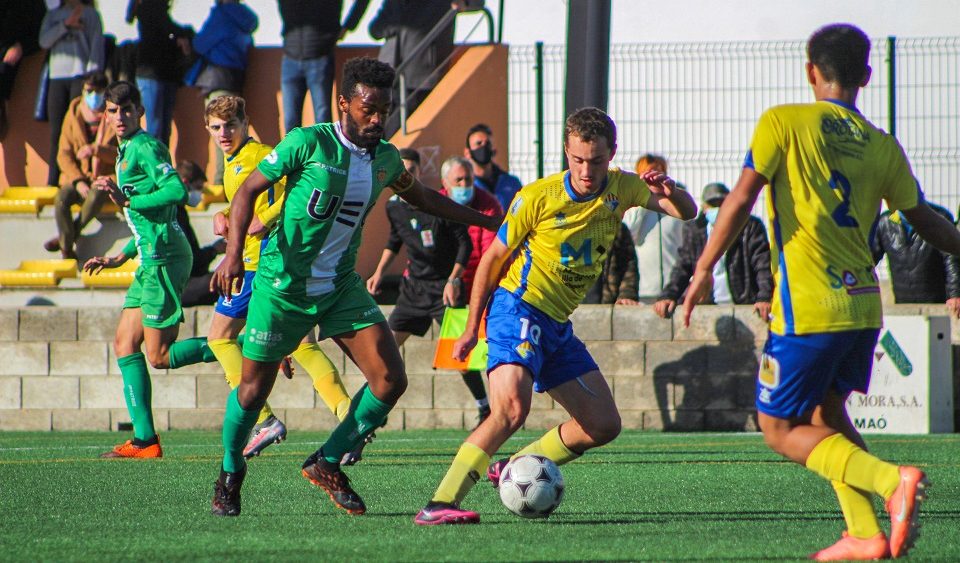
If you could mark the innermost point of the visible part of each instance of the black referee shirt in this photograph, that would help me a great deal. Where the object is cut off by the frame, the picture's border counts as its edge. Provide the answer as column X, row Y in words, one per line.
column 434, row 245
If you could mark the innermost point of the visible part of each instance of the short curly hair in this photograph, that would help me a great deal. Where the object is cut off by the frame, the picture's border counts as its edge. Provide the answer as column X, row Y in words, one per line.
column 226, row 108
column 590, row 124
column 367, row 71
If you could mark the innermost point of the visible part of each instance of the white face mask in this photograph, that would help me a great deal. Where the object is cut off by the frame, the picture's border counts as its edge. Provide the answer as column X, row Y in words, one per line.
column 194, row 197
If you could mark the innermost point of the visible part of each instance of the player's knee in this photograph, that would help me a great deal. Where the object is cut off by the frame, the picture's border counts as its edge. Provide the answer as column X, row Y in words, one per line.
column 389, row 387
column 605, row 430
column 159, row 359
column 511, row 415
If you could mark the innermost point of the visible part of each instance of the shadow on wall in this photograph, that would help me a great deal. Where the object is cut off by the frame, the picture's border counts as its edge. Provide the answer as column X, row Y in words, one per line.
column 712, row 385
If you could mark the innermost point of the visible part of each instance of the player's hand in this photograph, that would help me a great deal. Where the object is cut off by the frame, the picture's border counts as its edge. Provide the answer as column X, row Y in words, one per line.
column 86, row 151
column 98, row 263
column 664, row 308
column 701, row 285
column 73, row 21
column 256, row 227
column 464, row 345
column 762, row 309
column 450, row 294
column 625, row 301
column 221, row 225
column 83, row 188
column 106, row 184
column 373, row 284
column 13, row 55
column 953, row 305
column 227, row 276
column 659, row 183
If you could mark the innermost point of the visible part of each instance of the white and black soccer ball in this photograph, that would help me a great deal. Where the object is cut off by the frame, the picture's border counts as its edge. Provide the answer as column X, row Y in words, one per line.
column 531, row 486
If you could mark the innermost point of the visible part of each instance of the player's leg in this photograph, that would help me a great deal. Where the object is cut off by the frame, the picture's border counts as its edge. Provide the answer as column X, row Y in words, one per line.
column 473, row 379
column 274, row 327
column 162, row 286
column 325, row 376
column 137, row 390
column 511, row 391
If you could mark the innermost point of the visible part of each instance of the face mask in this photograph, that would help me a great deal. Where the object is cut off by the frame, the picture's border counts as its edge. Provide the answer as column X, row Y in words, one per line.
column 461, row 195
column 482, row 154
column 94, row 100
column 711, row 214
column 194, row 197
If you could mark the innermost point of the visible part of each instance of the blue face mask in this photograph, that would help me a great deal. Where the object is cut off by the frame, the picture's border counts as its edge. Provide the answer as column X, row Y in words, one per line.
column 94, row 100
column 461, row 195
column 711, row 214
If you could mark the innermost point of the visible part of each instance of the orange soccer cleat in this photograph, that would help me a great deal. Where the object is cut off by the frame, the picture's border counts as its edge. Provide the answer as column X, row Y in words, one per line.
column 850, row 548
column 904, row 509
column 128, row 449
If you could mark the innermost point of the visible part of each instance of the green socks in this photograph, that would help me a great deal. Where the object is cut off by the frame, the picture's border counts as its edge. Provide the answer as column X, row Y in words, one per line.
column 190, row 351
column 366, row 414
column 137, row 393
column 237, row 424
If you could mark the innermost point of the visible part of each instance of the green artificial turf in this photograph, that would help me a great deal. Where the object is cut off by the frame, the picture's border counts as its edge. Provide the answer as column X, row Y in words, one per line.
column 647, row 496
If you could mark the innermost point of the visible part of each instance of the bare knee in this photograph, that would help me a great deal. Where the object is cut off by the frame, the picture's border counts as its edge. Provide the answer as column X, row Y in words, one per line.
column 774, row 435
column 604, row 430
column 388, row 386
column 510, row 414
column 159, row 359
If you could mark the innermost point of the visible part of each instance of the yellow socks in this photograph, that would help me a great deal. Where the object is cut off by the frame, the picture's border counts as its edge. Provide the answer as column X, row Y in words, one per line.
column 467, row 467
column 838, row 459
column 326, row 380
column 857, row 511
column 230, row 356
column 551, row 447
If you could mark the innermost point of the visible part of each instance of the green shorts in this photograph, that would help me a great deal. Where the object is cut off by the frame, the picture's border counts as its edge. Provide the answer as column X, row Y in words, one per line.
column 277, row 323
column 156, row 291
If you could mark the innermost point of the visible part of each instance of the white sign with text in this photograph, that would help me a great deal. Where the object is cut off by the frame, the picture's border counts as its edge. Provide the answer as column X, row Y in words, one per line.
column 911, row 387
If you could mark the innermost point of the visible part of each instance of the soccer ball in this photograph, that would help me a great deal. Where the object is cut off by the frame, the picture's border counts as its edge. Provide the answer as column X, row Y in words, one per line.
column 531, row 486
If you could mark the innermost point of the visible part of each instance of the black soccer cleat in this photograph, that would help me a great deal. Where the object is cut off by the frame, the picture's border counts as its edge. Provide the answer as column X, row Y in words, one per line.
column 329, row 477
column 226, row 493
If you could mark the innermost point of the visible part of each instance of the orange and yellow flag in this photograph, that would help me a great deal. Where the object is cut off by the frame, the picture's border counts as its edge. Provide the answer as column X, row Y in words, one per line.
column 454, row 321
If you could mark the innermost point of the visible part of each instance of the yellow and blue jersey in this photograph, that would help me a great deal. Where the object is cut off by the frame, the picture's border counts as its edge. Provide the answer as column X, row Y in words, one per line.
column 562, row 239
column 237, row 167
column 828, row 168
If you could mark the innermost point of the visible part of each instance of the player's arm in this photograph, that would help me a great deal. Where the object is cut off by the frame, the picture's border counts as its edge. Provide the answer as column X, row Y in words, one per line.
column 266, row 219
column 488, row 276
column 434, row 203
column 241, row 213
column 170, row 189
column 932, row 227
column 733, row 216
column 666, row 197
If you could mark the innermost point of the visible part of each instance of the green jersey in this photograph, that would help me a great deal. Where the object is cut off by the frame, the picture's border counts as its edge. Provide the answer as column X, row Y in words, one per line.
column 331, row 186
column 147, row 178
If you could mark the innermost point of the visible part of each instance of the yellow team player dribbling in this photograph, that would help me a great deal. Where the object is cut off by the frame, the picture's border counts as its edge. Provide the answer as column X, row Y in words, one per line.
column 226, row 121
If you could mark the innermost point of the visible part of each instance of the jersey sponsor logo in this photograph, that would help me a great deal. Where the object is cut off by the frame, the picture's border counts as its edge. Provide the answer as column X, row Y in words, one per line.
column 845, row 129
column 327, row 167
column 324, row 211
column 263, row 337
column 525, row 350
column 124, row 165
column 517, row 203
column 611, row 201
column 238, row 169
column 369, row 312
column 848, row 280
column 570, row 254
column 128, row 189
column 381, row 175
column 560, row 219
column 769, row 374
column 272, row 158
column 165, row 168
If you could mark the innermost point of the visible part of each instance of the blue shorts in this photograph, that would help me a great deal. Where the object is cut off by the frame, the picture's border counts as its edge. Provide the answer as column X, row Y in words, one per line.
column 519, row 333
column 796, row 371
column 238, row 303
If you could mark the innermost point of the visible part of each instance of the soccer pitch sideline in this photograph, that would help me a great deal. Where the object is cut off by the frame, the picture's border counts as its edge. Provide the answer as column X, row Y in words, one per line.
column 646, row 496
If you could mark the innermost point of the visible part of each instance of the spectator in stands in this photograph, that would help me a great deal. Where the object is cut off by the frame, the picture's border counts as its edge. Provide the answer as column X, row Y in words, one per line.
column 197, row 291
column 404, row 24
column 456, row 175
column 311, row 29
column 918, row 271
column 743, row 274
column 19, row 29
column 619, row 280
column 87, row 150
column 223, row 44
column 438, row 252
column 161, row 52
column 73, row 34
column 656, row 237
column 487, row 175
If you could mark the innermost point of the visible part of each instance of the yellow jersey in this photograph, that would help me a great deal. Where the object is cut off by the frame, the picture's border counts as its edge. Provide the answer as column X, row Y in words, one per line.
column 267, row 206
column 561, row 239
column 828, row 168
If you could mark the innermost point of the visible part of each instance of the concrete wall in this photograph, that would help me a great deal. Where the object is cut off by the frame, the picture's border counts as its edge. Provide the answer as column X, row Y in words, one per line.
column 58, row 372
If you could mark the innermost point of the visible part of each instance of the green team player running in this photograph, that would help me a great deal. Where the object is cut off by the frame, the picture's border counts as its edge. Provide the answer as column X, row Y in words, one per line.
column 335, row 173
column 148, row 190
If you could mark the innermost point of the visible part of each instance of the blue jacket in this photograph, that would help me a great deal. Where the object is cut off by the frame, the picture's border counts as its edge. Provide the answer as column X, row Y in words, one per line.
column 507, row 186
column 227, row 35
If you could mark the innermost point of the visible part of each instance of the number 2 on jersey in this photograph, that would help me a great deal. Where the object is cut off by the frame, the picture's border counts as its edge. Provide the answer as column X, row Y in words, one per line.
column 841, row 215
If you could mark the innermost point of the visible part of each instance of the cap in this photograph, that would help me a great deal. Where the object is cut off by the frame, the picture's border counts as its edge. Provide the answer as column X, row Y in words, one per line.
column 714, row 191
column 410, row 154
